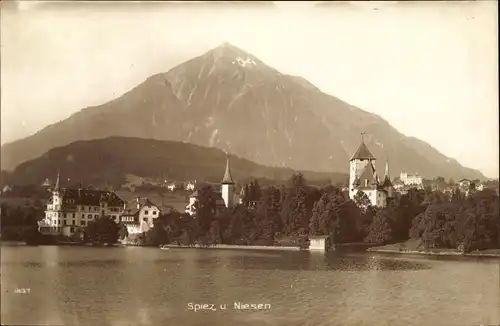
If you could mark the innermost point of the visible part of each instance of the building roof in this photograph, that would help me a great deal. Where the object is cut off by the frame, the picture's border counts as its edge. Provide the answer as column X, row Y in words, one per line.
column 387, row 182
column 131, row 208
column 369, row 174
column 387, row 179
column 91, row 197
column 319, row 237
column 363, row 153
column 227, row 179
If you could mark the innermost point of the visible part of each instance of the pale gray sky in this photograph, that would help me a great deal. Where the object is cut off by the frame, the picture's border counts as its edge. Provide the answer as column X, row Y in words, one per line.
column 430, row 69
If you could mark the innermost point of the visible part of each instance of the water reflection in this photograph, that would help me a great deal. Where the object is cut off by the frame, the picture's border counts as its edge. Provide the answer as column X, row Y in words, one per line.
column 147, row 286
column 324, row 262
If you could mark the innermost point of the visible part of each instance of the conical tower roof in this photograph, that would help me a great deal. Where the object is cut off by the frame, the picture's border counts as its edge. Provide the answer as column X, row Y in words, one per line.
column 228, row 179
column 363, row 153
column 387, row 179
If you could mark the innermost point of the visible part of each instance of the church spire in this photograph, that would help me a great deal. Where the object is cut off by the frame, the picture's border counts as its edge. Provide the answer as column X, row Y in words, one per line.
column 56, row 187
column 228, row 179
column 387, row 169
column 387, row 178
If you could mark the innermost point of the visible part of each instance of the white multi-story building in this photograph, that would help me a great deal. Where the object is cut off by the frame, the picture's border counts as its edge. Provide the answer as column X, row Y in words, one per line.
column 411, row 179
column 363, row 177
column 70, row 210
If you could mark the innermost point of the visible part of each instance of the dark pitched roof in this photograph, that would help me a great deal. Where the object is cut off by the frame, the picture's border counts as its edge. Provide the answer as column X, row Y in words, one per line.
column 363, row 153
column 228, row 179
column 369, row 174
column 387, row 182
column 91, row 197
column 131, row 208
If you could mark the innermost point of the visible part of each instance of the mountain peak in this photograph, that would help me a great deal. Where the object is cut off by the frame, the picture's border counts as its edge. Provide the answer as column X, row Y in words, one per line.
column 235, row 55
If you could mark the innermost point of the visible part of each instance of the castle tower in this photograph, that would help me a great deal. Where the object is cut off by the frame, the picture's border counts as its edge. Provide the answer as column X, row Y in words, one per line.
column 227, row 185
column 361, row 158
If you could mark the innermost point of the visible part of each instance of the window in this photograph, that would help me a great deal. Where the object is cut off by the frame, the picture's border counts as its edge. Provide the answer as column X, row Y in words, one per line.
column 82, row 223
column 145, row 219
column 73, row 215
column 154, row 212
column 146, row 212
column 73, row 222
column 95, row 216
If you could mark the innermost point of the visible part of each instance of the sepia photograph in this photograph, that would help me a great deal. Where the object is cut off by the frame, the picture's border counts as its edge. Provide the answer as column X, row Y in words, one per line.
column 249, row 163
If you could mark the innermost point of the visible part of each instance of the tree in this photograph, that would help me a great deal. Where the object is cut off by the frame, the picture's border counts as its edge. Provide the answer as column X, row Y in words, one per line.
column 362, row 201
column 478, row 221
column 123, row 232
column 379, row 231
column 406, row 210
column 294, row 214
column 205, row 210
column 241, row 229
column 254, row 191
column 325, row 215
column 214, row 235
column 102, row 230
column 267, row 214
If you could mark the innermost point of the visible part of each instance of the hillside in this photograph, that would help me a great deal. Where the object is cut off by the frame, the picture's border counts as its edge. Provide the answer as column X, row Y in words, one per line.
column 229, row 99
column 108, row 161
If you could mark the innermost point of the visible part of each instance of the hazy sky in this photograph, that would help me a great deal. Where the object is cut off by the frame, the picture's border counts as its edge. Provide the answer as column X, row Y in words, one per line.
column 429, row 68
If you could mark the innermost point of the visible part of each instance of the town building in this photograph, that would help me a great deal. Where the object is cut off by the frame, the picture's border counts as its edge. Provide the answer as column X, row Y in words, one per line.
column 364, row 177
column 70, row 210
column 464, row 184
column 225, row 196
column 321, row 242
column 411, row 180
column 139, row 215
column 190, row 185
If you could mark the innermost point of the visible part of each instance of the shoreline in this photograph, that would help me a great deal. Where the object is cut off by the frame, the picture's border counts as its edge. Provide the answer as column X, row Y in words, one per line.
column 224, row 246
column 445, row 252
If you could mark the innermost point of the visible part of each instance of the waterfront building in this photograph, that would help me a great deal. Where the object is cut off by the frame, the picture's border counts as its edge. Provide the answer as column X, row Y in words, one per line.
column 70, row 210
column 139, row 215
column 320, row 242
column 363, row 177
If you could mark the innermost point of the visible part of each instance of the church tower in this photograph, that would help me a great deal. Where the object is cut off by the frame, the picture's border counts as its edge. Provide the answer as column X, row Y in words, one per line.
column 227, row 186
column 57, row 196
column 361, row 158
column 387, row 181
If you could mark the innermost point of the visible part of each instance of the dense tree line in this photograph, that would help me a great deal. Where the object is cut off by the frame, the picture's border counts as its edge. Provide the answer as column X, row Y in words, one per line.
column 298, row 210
column 20, row 223
column 471, row 222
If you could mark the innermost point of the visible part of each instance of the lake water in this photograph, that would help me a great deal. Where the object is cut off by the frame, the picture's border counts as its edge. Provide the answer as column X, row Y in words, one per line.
column 148, row 286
